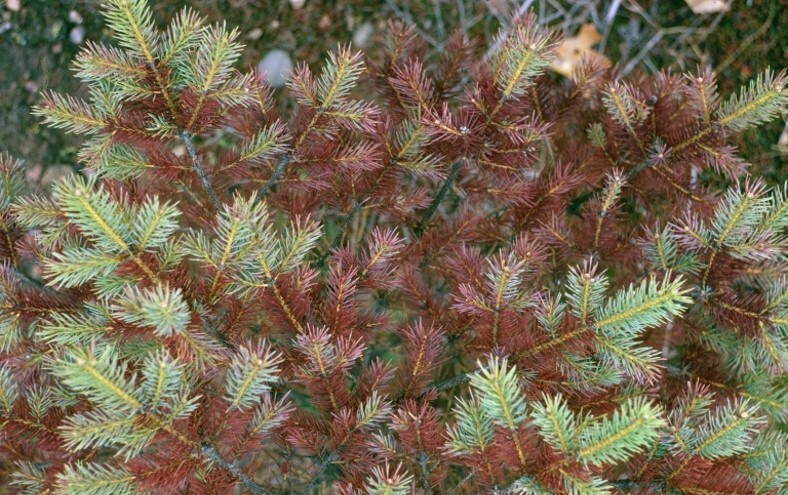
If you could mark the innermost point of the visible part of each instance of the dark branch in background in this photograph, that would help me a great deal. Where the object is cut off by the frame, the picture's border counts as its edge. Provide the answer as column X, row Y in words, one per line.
column 321, row 468
column 451, row 382
column 271, row 182
column 212, row 454
column 215, row 332
column 285, row 160
column 640, row 167
column 418, row 230
column 343, row 226
column 448, row 182
column 425, row 477
column 199, row 169
column 35, row 283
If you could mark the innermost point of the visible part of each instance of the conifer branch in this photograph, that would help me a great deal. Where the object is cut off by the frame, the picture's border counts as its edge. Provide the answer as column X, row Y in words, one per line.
column 763, row 99
column 148, row 328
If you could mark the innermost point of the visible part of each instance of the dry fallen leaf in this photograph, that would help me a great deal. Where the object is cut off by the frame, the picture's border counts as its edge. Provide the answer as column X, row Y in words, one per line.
column 782, row 143
column 324, row 22
column 708, row 6
column 572, row 50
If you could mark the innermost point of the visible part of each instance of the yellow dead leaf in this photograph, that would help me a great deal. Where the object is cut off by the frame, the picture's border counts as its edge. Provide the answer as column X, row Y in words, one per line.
column 572, row 50
column 708, row 6
column 782, row 143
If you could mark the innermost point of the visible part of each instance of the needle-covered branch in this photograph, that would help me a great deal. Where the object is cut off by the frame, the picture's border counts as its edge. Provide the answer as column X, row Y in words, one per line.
column 419, row 273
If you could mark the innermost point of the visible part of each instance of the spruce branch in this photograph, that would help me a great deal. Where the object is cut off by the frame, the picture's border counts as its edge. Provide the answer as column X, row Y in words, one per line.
column 119, row 161
column 29, row 477
column 556, row 422
column 181, row 35
column 761, row 101
column 101, row 62
column 736, row 220
column 385, row 481
column 101, row 377
column 76, row 266
column 267, row 143
column 650, row 304
column 212, row 65
column 473, row 429
column 102, row 220
column 500, row 397
column 95, row 479
column 615, row 182
column 9, row 391
column 525, row 55
column 630, row 428
column 625, row 109
column 586, row 290
column 133, row 25
column 162, row 308
column 727, row 431
column 499, row 392
column 252, row 371
column 340, row 75
column 159, row 320
column 132, row 22
column 769, row 462
column 70, row 114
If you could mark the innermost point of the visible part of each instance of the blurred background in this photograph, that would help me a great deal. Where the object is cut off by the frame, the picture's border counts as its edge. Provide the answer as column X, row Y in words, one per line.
column 737, row 38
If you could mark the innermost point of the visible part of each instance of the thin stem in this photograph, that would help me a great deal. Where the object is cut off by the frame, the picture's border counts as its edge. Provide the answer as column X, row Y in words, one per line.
column 634, row 171
column 451, row 382
column 425, row 480
column 199, row 169
column 278, row 171
column 442, row 192
column 215, row 333
column 280, row 167
column 327, row 461
column 211, row 453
